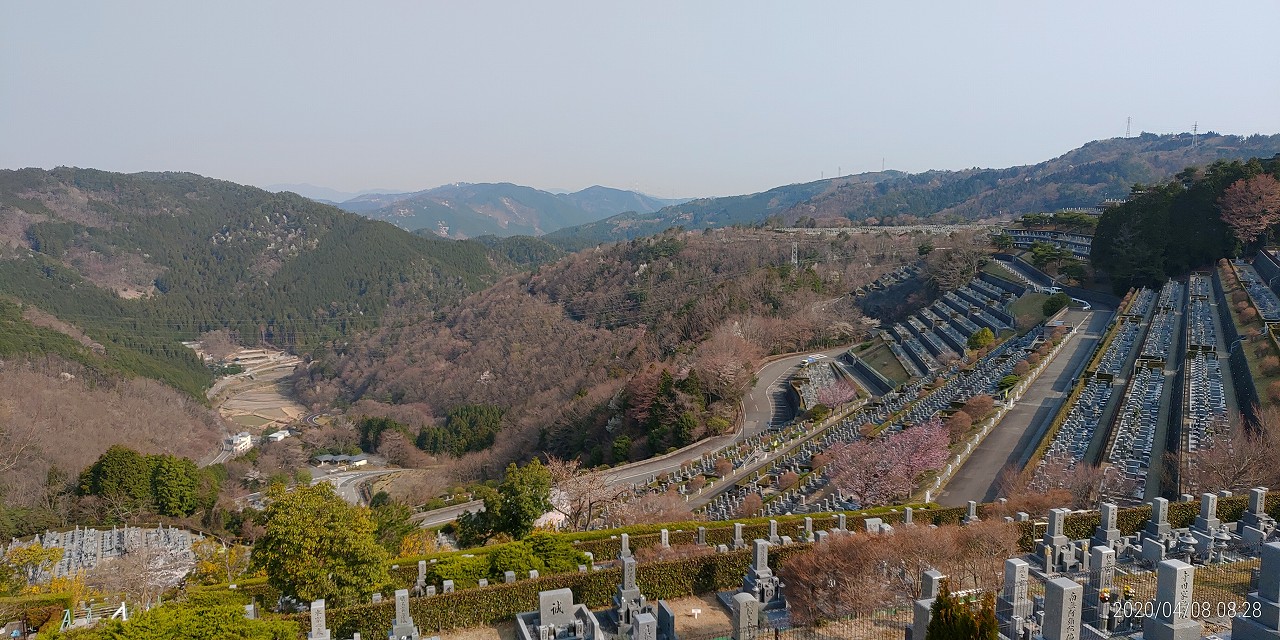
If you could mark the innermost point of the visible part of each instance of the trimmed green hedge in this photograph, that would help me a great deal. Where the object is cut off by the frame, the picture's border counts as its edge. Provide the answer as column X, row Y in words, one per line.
column 36, row 610
column 500, row 602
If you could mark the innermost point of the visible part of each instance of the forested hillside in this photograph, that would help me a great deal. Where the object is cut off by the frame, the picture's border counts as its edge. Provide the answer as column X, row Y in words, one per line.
column 1166, row 229
column 138, row 262
column 503, row 209
column 1082, row 177
column 57, row 416
column 613, row 353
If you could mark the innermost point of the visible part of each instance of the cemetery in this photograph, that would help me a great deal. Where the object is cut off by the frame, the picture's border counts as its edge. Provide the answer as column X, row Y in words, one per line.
column 1167, row 570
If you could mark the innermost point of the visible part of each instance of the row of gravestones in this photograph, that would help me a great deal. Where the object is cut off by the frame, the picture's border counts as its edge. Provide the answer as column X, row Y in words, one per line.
column 959, row 388
column 727, row 505
column 84, row 548
column 1207, row 540
column 402, row 628
column 1068, row 609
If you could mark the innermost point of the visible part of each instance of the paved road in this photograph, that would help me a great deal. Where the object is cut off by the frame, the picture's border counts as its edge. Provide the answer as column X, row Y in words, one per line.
column 1019, row 433
column 766, row 403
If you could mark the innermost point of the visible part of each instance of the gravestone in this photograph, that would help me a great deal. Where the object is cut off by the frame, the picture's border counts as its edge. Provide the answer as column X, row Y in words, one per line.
column 665, row 539
column 377, row 597
column 1208, row 518
column 666, row 621
column 1262, row 606
column 508, row 576
column 422, row 575
column 447, row 587
column 482, row 582
column 1107, row 535
column 1172, row 619
column 626, row 546
column 251, row 611
column 738, row 542
column 1102, row 574
column 760, row 581
column 702, row 536
column 646, row 627
column 318, row 629
column 1158, row 526
column 840, row 522
column 431, row 590
column 972, row 515
column 1063, row 602
column 746, row 617
column 930, row 585
column 808, row 529
column 1056, row 550
column 1013, row 607
column 627, row 601
column 403, row 628
column 773, row 532
column 555, row 607
column 1256, row 515
column 820, row 537
column 907, row 514
column 872, row 525
column 533, row 574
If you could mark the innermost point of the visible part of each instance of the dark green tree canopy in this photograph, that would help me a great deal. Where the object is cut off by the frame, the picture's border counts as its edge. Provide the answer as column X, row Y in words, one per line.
column 318, row 546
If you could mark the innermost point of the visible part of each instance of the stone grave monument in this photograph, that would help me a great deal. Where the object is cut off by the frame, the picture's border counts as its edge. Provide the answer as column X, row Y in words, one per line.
column 558, row 618
column 1172, row 619
column 318, row 629
column 1013, row 606
column 1063, row 602
column 404, row 629
column 1261, row 617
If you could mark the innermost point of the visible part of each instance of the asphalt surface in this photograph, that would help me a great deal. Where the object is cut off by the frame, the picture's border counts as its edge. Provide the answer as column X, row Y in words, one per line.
column 1019, row 433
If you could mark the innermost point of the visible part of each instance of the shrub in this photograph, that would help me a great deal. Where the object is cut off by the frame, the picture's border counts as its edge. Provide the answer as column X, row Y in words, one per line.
column 1270, row 365
column 979, row 406
column 1056, row 303
column 1248, row 315
column 959, row 424
column 1021, row 369
column 1273, row 391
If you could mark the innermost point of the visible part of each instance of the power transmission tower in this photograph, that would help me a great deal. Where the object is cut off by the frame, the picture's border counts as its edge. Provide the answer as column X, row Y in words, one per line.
column 1128, row 124
column 795, row 254
column 1194, row 131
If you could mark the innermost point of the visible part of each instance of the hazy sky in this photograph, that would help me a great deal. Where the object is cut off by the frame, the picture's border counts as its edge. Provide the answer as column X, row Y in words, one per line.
column 676, row 99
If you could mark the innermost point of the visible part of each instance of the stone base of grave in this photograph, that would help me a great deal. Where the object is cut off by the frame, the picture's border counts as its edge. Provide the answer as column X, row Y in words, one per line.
column 1153, row 629
column 775, row 611
column 1251, row 629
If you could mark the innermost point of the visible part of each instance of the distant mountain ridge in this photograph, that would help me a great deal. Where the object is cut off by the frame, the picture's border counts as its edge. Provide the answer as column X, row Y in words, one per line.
column 465, row 210
column 1081, row 177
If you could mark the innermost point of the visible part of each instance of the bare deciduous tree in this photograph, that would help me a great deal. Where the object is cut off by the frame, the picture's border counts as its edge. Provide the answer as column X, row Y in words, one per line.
column 1250, row 206
column 580, row 494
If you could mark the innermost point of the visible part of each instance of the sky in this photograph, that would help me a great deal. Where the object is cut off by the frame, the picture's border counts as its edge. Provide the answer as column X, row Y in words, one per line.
column 676, row 99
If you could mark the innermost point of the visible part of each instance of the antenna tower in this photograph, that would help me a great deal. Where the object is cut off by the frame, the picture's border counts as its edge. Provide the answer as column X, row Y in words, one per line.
column 795, row 254
column 1128, row 125
column 1194, row 131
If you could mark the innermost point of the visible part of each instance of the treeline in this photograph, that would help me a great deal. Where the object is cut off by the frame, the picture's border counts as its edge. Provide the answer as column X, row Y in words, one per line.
column 574, row 352
column 1167, row 229
column 162, row 484
column 466, row 428
column 274, row 268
